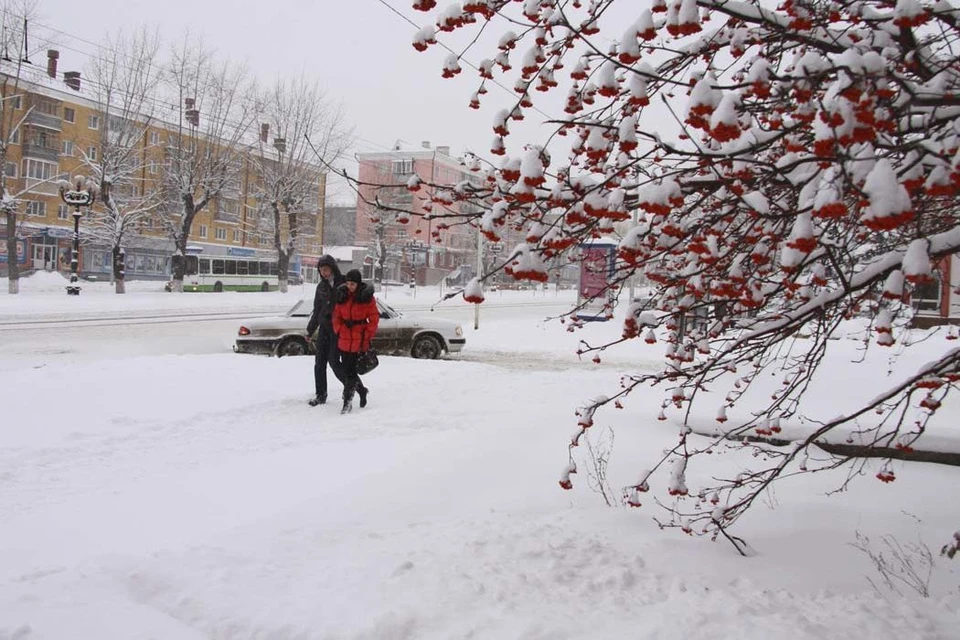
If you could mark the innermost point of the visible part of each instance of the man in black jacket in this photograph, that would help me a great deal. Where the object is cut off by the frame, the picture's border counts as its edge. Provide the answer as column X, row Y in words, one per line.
column 321, row 321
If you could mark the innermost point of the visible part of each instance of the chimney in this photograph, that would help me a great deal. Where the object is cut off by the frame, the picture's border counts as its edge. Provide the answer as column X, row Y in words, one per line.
column 444, row 151
column 426, row 144
column 52, row 56
column 264, row 132
column 190, row 113
column 72, row 79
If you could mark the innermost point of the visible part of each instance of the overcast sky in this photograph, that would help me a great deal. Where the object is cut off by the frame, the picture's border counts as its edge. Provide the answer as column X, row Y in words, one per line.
column 358, row 49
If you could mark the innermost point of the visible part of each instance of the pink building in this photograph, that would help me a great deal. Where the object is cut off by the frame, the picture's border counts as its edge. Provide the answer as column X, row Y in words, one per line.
column 414, row 247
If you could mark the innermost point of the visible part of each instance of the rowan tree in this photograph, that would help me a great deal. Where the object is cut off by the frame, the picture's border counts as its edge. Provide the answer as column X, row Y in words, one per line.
column 780, row 169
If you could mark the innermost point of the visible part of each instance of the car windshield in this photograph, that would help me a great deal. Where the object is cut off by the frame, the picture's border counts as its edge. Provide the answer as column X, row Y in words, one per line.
column 390, row 310
column 301, row 309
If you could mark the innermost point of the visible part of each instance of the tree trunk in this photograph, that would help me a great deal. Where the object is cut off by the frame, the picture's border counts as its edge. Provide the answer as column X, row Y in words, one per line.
column 13, row 264
column 179, row 266
column 178, row 263
column 118, row 272
column 179, row 260
column 283, row 266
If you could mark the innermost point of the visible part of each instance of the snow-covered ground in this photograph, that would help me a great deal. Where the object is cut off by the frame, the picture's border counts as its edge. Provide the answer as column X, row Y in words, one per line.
column 155, row 485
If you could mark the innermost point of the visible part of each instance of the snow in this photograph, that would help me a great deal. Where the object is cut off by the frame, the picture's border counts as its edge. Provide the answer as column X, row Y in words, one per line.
column 154, row 486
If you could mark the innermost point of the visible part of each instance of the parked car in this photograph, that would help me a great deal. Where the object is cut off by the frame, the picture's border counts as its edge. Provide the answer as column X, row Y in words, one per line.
column 397, row 334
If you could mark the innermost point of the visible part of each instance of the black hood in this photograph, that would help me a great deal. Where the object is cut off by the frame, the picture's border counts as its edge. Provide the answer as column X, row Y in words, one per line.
column 327, row 259
column 364, row 292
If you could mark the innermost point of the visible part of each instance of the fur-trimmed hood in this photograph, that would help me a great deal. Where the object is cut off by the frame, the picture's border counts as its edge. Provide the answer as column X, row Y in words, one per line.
column 363, row 295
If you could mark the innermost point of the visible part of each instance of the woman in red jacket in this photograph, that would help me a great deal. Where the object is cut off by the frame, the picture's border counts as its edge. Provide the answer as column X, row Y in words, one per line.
column 355, row 320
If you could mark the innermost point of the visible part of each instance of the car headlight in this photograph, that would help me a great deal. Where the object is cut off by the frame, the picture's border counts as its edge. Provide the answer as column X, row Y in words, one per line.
column 459, row 330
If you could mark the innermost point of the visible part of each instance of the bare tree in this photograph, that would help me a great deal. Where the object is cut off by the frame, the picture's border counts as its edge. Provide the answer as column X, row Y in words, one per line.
column 16, row 14
column 125, row 75
column 339, row 224
column 304, row 124
column 205, row 153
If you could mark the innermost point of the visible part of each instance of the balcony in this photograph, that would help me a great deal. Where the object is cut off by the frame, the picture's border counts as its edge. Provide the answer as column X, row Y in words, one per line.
column 41, row 152
column 45, row 120
column 44, row 112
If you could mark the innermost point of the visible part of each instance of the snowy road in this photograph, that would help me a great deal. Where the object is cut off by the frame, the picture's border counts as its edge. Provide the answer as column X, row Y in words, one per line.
column 53, row 338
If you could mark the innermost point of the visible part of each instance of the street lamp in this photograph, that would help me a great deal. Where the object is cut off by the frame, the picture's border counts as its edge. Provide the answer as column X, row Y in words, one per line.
column 79, row 194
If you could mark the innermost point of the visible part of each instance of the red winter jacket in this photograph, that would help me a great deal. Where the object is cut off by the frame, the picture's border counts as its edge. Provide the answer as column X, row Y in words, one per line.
column 355, row 318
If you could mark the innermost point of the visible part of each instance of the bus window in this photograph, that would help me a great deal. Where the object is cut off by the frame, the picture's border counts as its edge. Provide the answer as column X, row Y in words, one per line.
column 191, row 266
column 254, row 268
column 242, row 267
column 204, row 265
column 273, row 268
column 218, row 267
column 231, row 267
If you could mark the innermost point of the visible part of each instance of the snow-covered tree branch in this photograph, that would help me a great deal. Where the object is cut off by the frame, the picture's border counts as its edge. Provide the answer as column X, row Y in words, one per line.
column 125, row 74
column 205, row 153
column 780, row 170
column 294, row 115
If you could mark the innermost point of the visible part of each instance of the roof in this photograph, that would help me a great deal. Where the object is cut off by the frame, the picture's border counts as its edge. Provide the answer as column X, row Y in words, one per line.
column 343, row 254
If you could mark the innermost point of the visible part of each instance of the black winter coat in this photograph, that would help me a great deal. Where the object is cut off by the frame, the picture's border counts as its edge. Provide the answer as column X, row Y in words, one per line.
column 323, row 302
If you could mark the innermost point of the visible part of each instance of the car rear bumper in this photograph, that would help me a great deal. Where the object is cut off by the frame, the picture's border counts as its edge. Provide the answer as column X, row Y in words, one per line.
column 455, row 345
column 255, row 346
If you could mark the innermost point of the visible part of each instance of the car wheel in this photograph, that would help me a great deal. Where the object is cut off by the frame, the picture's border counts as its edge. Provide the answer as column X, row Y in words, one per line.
column 292, row 347
column 426, row 347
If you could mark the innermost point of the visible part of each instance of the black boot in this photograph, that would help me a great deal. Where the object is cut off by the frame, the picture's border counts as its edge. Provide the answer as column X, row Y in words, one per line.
column 347, row 406
column 362, row 392
column 317, row 400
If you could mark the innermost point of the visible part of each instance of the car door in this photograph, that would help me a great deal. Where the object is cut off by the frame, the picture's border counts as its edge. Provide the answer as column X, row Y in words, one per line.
column 385, row 341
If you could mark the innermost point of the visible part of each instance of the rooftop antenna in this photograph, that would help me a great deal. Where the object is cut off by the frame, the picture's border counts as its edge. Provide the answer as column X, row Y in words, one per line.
column 26, row 47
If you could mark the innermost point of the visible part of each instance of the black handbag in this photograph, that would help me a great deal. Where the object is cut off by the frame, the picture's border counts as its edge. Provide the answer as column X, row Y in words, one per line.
column 367, row 361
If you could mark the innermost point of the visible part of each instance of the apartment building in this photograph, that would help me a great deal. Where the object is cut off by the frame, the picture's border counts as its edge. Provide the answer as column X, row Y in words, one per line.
column 61, row 123
column 408, row 254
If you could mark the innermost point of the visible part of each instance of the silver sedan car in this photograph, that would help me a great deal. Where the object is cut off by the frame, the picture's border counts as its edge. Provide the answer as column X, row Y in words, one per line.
column 397, row 334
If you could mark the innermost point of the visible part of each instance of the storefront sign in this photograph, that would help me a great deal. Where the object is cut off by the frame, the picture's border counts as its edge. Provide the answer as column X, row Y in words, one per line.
column 596, row 268
column 21, row 251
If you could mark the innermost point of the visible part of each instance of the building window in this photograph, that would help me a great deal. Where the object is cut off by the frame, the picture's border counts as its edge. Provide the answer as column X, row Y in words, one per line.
column 41, row 138
column 37, row 170
column 92, row 154
column 48, row 107
column 63, row 212
column 403, row 167
column 154, row 137
column 236, row 235
column 69, row 115
column 15, row 137
column 16, row 101
column 229, row 207
column 93, row 122
column 221, row 234
column 36, row 208
column 10, row 169
column 203, row 231
column 66, row 148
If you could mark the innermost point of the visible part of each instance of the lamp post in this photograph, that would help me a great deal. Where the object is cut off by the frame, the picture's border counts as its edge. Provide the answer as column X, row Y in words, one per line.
column 76, row 195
